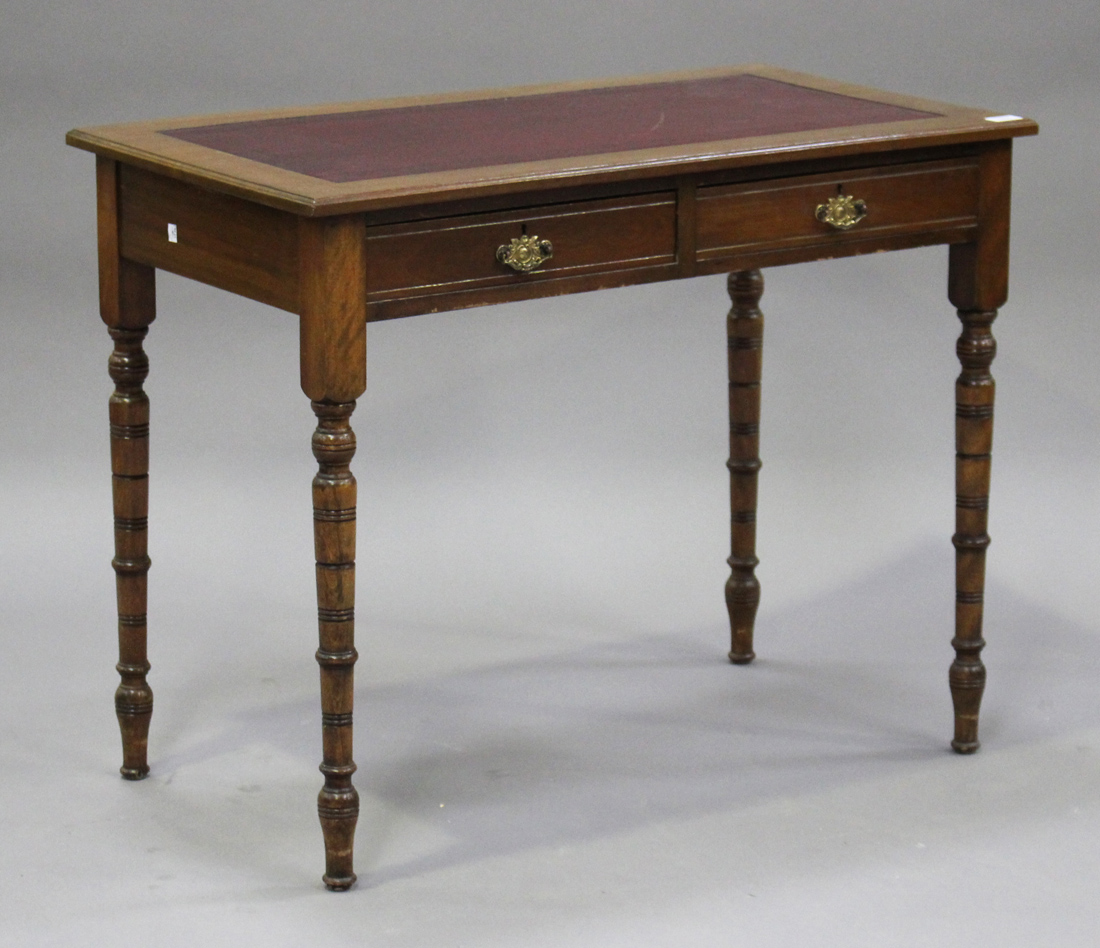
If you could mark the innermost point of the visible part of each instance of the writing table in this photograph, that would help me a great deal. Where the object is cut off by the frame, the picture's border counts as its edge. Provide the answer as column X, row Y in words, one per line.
column 346, row 214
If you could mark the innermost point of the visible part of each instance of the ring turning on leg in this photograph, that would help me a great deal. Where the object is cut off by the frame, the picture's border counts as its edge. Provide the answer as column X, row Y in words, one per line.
column 745, row 338
column 129, row 413
column 973, row 444
column 334, row 539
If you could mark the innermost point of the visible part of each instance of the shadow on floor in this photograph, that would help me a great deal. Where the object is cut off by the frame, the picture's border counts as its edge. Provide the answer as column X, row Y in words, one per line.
column 554, row 750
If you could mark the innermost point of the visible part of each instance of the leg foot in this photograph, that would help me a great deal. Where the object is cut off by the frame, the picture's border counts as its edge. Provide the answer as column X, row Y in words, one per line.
column 339, row 811
column 134, row 709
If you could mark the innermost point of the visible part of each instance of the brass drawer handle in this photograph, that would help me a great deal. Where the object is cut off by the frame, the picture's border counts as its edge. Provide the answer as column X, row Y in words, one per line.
column 842, row 212
column 525, row 254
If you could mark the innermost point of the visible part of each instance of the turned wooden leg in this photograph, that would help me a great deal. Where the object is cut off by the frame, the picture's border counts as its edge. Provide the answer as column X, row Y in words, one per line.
column 333, row 324
column 334, row 540
column 973, row 443
column 129, row 412
column 977, row 286
column 127, row 304
column 745, row 337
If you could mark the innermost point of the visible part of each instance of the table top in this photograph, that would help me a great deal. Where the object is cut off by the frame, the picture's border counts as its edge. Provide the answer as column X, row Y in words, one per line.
column 334, row 159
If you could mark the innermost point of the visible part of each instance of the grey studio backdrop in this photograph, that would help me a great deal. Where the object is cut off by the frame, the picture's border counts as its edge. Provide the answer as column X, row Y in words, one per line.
column 552, row 749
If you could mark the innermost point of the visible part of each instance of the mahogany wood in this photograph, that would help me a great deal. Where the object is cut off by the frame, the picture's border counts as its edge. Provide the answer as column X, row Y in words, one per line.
column 228, row 242
column 342, row 252
column 332, row 307
column 127, row 306
column 978, row 286
column 333, row 324
column 974, row 443
column 745, row 345
column 334, row 539
column 769, row 215
column 446, row 254
column 144, row 144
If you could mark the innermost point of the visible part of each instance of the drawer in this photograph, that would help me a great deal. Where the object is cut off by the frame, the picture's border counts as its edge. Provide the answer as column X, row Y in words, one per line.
column 450, row 254
column 901, row 200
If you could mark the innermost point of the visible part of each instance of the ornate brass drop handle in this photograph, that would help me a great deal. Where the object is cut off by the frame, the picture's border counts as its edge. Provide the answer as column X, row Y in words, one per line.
column 525, row 254
column 842, row 211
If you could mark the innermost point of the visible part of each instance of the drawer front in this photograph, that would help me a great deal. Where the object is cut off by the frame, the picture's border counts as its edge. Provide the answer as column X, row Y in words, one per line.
column 460, row 253
column 906, row 199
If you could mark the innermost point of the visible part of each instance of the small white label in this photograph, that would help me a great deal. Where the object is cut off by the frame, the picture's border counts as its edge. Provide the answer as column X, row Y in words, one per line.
column 173, row 238
column 1003, row 118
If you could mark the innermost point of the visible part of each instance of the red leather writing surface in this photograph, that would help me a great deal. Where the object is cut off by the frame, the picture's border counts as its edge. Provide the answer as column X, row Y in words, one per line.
column 383, row 143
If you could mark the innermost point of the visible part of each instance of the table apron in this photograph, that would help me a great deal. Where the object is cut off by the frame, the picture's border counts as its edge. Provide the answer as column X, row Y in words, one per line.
column 450, row 262
column 224, row 241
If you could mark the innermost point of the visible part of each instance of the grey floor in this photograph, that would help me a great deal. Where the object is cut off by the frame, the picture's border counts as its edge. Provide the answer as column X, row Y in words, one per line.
column 552, row 749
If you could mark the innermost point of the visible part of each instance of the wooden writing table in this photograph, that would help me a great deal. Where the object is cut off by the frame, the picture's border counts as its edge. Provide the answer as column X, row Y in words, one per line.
column 352, row 213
